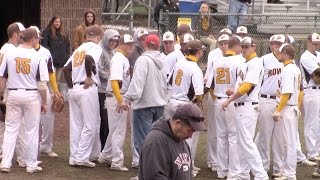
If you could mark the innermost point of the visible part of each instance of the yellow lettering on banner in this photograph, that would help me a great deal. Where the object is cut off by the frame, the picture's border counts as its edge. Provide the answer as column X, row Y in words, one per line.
column 22, row 65
column 223, row 76
column 78, row 58
column 178, row 77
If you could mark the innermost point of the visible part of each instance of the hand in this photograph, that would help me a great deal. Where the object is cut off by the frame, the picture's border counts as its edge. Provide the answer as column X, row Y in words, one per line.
column 119, row 108
column 225, row 105
column 44, row 108
column 88, row 82
column 276, row 116
column 230, row 91
column 59, row 94
column 126, row 105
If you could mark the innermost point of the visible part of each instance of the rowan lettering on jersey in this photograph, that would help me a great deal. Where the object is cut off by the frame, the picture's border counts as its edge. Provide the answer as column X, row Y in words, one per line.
column 275, row 71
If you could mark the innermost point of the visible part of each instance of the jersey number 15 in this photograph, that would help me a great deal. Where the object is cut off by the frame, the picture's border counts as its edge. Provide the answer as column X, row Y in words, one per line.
column 223, row 76
column 22, row 65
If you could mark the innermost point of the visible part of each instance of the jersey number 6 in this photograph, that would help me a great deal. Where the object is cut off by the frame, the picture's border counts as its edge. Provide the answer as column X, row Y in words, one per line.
column 178, row 77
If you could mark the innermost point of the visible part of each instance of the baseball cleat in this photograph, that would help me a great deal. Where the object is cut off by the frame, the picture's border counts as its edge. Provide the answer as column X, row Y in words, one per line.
column 33, row 170
column 307, row 163
column 4, row 170
column 316, row 158
column 196, row 168
column 86, row 164
column 276, row 175
column 104, row 161
column 23, row 164
column 50, row 154
column 119, row 168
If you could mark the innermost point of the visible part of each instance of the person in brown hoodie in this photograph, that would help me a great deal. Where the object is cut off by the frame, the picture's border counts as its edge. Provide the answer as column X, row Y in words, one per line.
column 78, row 34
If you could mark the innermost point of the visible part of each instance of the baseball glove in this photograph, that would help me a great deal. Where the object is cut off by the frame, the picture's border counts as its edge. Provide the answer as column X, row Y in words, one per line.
column 57, row 103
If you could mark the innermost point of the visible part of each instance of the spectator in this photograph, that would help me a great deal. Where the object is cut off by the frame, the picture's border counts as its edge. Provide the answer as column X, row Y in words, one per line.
column 165, row 5
column 78, row 34
column 56, row 40
column 239, row 7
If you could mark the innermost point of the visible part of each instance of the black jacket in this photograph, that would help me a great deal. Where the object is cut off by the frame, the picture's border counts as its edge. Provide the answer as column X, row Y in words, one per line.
column 169, row 5
column 58, row 46
column 163, row 156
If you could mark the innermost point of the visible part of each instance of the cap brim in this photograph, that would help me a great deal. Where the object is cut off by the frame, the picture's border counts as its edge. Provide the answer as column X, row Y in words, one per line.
column 198, row 125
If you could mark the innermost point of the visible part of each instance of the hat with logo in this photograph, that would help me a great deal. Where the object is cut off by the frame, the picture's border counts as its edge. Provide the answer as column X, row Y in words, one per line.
column 153, row 39
column 291, row 39
column 168, row 36
column 141, row 32
column 225, row 31
column 314, row 37
column 195, row 45
column 247, row 41
column 192, row 115
column 95, row 30
column 278, row 38
column 38, row 31
column 127, row 38
column 224, row 37
column 186, row 38
column 183, row 29
column 29, row 33
column 242, row 30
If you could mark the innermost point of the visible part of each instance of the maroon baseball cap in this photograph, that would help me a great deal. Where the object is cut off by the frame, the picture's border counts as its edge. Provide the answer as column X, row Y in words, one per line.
column 191, row 114
column 153, row 39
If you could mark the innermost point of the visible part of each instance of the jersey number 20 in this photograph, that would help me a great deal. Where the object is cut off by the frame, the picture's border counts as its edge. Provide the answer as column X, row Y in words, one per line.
column 223, row 76
column 22, row 65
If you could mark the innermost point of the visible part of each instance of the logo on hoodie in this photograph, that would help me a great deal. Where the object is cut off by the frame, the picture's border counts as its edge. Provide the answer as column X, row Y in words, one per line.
column 184, row 161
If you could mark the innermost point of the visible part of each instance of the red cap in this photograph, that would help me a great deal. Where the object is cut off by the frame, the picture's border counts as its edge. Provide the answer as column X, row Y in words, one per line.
column 153, row 39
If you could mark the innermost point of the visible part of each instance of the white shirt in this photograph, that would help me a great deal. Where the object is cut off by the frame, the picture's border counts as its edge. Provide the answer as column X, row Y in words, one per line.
column 171, row 59
column 119, row 70
column 24, row 68
column 185, row 74
column 7, row 47
column 251, row 72
column 224, row 74
column 78, row 58
column 213, row 55
column 46, row 55
column 290, row 82
column 272, row 69
column 309, row 63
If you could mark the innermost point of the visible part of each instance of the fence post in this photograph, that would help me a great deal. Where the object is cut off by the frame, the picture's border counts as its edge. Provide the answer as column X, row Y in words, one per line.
column 161, row 24
column 131, row 22
column 166, row 21
column 198, row 18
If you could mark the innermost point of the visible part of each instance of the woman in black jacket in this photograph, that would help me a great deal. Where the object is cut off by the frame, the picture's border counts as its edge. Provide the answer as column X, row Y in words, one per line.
column 56, row 40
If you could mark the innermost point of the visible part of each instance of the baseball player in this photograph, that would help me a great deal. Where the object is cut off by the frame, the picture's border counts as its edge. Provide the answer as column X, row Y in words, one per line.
column 223, row 77
column 168, row 41
column 287, row 112
column 47, row 120
column 212, row 141
column 187, row 86
column 83, row 99
column 242, row 31
column 27, row 75
column 309, row 63
column 119, row 81
column 246, row 104
column 267, row 105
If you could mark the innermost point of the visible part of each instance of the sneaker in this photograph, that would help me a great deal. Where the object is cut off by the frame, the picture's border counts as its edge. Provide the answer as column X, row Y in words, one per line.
column 134, row 178
column 104, row 161
column 281, row 178
column 119, row 168
column 214, row 169
column 50, row 154
column 196, row 168
column 86, row 164
column 33, row 170
column 316, row 174
column 316, row 158
column 222, row 177
column 4, row 170
column 134, row 166
column 72, row 163
column 276, row 175
column 307, row 163
column 195, row 173
column 23, row 164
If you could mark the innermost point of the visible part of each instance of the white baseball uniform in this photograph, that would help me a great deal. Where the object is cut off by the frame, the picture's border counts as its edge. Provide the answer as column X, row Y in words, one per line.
column 23, row 68
column 113, row 149
column 246, row 119
column 289, row 83
column 267, row 105
column 212, row 135
column 311, row 102
column 223, row 76
column 84, row 106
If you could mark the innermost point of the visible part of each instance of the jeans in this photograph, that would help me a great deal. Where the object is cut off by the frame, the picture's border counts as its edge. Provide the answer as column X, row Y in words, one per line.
column 236, row 7
column 104, row 127
column 142, row 123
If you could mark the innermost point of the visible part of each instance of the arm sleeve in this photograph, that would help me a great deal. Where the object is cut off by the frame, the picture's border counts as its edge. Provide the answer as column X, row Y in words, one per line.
column 116, row 90
column 284, row 98
column 138, row 80
column 244, row 88
column 53, row 82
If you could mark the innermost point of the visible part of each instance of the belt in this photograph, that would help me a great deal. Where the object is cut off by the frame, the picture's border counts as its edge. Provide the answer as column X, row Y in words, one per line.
column 268, row 96
column 243, row 103
column 222, row 97
column 22, row 89
column 82, row 83
column 313, row 87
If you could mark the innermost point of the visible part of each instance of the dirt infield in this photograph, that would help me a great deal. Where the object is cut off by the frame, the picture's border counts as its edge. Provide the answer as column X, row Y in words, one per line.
column 59, row 169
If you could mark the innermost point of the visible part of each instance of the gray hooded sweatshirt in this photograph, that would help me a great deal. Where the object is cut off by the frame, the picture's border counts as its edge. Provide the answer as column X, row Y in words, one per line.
column 148, row 85
column 105, row 58
column 137, row 50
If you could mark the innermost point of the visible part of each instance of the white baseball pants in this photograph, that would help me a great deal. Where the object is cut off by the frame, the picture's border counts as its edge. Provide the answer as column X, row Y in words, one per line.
column 22, row 105
column 212, row 135
column 135, row 154
column 249, row 157
column 113, row 149
column 228, row 162
column 311, row 103
column 84, row 122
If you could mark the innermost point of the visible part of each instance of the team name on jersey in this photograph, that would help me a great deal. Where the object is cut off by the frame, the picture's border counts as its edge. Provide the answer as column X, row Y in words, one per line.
column 183, row 160
column 275, row 71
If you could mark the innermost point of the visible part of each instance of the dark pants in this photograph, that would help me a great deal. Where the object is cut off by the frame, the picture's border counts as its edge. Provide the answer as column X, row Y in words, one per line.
column 104, row 127
column 142, row 123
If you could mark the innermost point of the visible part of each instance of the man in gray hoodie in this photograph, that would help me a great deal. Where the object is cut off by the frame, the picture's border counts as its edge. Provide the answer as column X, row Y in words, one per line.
column 147, row 90
column 108, row 43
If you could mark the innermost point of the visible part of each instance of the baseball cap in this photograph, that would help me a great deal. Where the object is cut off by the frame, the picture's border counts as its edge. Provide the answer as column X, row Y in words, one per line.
column 242, row 30
column 186, row 38
column 314, row 37
column 291, row 39
column 191, row 114
column 224, row 37
column 278, row 38
column 226, row 31
column 20, row 26
column 29, row 33
column 168, row 36
column 38, row 31
column 153, row 39
column 142, row 32
column 195, row 45
column 247, row 41
column 287, row 49
column 94, row 30
column 127, row 38
column 183, row 29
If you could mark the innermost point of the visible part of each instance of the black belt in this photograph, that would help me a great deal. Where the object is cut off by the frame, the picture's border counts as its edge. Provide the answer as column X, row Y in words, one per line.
column 315, row 87
column 222, row 97
column 242, row 103
column 82, row 83
column 267, row 96
column 23, row 89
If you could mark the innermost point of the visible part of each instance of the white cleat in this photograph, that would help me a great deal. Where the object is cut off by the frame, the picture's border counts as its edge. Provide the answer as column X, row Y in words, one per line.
column 119, row 168
column 50, row 154
column 86, row 164
column 307, row 163
column 33, row 170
